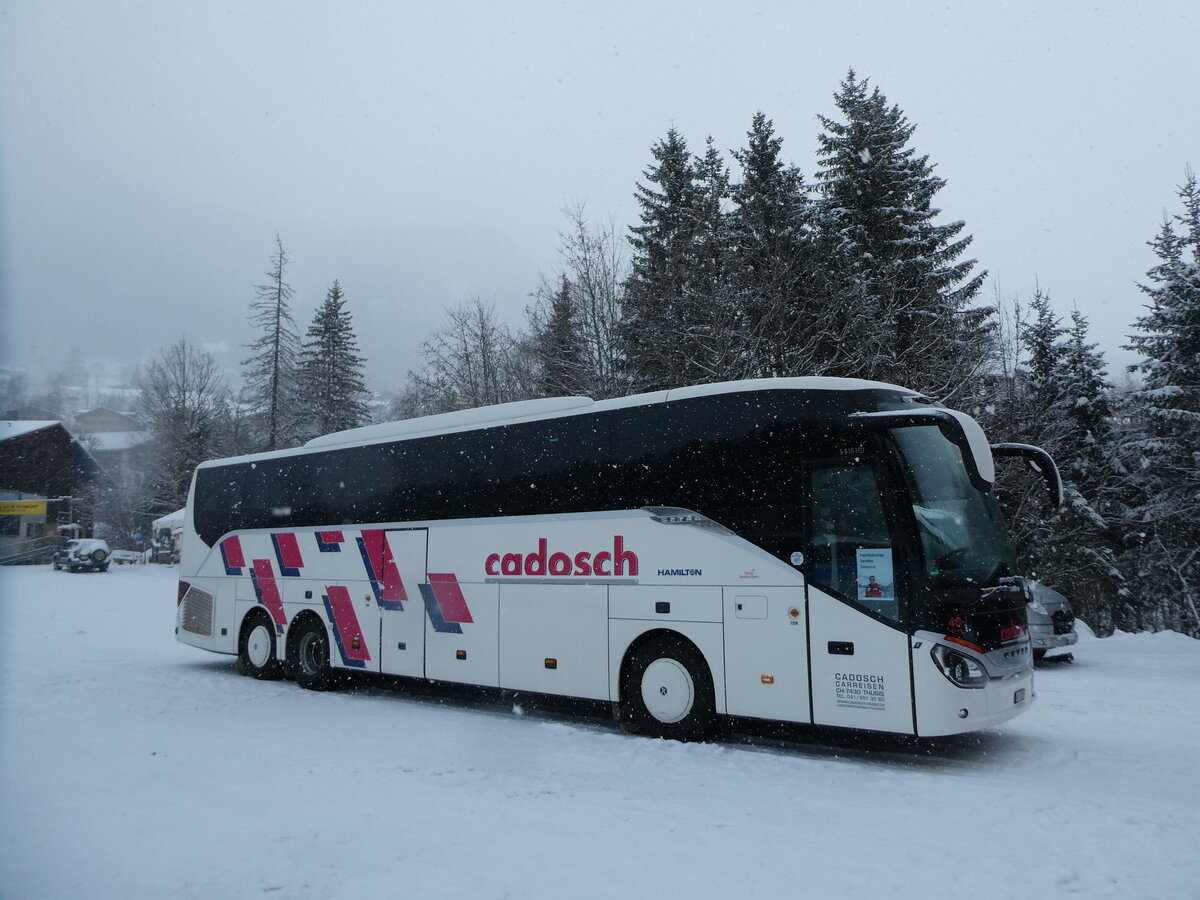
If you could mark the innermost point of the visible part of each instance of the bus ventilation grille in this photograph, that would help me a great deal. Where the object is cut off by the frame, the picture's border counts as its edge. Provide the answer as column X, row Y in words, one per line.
column 196, row 612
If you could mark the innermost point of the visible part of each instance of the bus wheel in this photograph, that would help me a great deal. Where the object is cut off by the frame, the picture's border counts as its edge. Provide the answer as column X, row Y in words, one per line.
column 311, row 660
column 257, row 656
column 666, row 691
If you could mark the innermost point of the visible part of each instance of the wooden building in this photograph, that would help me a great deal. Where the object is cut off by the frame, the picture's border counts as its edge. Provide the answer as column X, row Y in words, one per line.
column 42, row 461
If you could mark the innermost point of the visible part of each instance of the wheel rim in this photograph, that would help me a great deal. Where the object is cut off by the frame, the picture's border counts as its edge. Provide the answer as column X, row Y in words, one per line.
column 667, row 690
column 258, row 646
column 312, row 653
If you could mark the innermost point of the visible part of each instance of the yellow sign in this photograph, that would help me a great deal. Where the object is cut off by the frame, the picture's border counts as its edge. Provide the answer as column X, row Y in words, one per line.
column 22, row 507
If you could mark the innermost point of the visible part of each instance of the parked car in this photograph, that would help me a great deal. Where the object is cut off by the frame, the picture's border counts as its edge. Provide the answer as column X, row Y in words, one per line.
column 83, row 554
column 1051, row 619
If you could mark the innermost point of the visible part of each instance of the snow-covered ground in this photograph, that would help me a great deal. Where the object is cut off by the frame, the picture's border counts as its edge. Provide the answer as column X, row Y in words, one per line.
column 132, row 766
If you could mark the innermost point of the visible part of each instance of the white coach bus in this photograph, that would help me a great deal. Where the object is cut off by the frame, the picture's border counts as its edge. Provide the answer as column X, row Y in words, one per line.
column 820, row 551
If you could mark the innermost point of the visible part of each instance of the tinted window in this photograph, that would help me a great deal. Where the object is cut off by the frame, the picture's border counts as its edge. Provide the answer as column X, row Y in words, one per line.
column 448, row 476
column 560, row 465
column 850, row 548
column 736, row 458
column 219, row 508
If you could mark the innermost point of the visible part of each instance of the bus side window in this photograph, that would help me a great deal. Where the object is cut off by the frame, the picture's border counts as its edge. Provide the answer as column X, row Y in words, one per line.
column 850, row 547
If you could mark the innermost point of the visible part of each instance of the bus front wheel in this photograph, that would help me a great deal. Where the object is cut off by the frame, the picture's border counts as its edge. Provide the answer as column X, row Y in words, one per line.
column 257, row 656
column 666, row 692
column 311, row 657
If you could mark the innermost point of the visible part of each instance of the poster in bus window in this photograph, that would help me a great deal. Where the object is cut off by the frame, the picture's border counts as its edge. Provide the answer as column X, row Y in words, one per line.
column 876, row 583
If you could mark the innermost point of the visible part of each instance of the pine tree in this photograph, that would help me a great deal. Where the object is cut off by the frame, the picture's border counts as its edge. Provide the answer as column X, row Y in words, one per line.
column 681, row 321
column 1171, row 330
column 1087, row 405
column 1167, row 416
column 574, row 319
column 657, row 285
column 1042, row 389
column 710, row 342
column 270, row 372
column 331, row 370
column 555, row 343
column 773, row 243
column 1088, row 535
column 1058, row 399
column 902, row 271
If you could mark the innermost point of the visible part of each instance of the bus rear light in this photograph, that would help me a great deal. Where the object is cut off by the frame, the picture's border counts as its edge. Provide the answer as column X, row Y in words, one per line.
column 183, row 589
column 964, row 642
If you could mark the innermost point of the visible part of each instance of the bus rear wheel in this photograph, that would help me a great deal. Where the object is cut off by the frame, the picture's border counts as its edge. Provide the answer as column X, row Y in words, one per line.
column 310, row 658
column 257, row 655
column 666, row 692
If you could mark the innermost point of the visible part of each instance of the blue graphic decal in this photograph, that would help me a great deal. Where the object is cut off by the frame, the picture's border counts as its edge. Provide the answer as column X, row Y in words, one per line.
column 435, row 612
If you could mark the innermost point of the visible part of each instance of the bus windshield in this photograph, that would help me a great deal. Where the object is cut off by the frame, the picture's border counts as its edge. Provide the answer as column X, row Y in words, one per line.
column 963, row 537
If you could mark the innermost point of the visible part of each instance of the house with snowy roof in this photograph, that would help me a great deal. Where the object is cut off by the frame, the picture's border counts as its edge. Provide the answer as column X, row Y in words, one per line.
column 44, row 473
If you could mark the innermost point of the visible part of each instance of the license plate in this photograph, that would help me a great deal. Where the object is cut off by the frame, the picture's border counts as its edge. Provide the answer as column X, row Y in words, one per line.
column 1019, row 696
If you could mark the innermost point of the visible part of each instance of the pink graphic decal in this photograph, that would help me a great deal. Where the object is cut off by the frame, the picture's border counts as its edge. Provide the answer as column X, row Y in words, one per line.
column 330, row 541
column 231, row 555
column 450, row 597
column 381, row 569
column 346, row 630
column 267, row 590
column 287, row 551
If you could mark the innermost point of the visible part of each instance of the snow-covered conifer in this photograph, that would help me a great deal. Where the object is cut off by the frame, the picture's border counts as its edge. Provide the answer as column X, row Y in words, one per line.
column 906, row 271
column 1166, row 415
column 773, row 245
column 660, row 268
column 555, row 345
column 332, row 385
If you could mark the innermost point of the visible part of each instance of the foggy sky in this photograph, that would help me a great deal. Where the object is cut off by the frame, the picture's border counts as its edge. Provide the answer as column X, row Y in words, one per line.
column 423, row 153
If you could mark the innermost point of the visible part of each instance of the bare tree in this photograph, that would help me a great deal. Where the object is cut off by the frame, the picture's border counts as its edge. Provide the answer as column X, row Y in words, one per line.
column 472, row 360
column 573, row 320
column 185, row 404
column 14, row 390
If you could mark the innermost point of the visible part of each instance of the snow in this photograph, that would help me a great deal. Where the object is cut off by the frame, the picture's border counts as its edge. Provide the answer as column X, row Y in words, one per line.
column 12, row 429
column 106, row 441
column 134, row 766
column 171, row 520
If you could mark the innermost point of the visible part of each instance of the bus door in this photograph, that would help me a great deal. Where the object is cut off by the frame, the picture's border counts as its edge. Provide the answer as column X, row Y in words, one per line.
column 398, row 576
column 858, row 647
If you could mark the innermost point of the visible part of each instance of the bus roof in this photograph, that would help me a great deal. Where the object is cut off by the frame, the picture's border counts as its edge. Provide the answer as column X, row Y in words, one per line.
column 551, row 407
column 529, row 410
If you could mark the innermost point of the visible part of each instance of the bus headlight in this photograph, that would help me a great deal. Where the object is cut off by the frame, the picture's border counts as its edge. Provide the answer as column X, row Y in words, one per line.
column 961, row 670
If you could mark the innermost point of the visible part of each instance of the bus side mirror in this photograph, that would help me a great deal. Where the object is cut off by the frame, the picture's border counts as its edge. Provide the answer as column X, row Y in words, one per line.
column 1040, row 462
